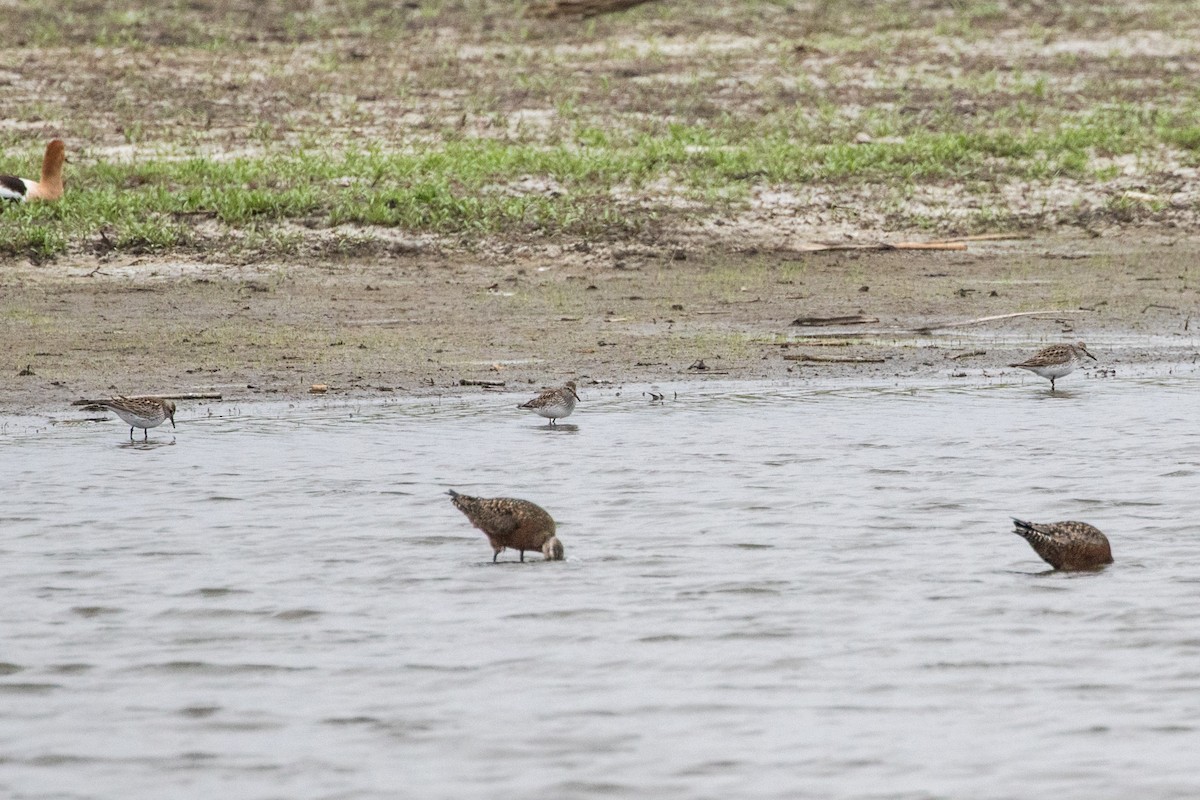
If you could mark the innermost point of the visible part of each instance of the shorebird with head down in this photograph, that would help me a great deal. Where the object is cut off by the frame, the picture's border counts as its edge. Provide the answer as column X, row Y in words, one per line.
column 50, row 187
column 141, row 412
column 1056, row 361
column 508, row 522
column 1066, row 545
column 554, row 403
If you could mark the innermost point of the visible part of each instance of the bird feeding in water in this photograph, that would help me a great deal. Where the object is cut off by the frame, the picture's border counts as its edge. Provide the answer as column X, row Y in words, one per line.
column 141, row 412
column 1066, row 545
column 511, row 523
column 1056, row 361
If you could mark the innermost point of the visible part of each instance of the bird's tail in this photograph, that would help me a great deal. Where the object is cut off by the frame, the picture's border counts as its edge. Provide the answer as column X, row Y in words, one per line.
column 1027, row 530
column 463, row 502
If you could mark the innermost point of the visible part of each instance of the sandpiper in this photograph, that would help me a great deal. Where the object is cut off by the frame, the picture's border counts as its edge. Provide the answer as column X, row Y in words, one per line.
column 141, row 412
column 1066, row 545
column 508, row 522
column 1056, row 361
column 554, row 403
column 50, row 187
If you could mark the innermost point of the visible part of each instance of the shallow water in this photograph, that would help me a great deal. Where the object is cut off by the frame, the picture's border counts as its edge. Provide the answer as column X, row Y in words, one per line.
column 769, row 592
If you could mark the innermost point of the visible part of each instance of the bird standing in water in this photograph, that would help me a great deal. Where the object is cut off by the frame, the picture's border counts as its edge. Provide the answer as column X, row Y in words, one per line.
column 1056, row 361
column 512, row 523
column 554, row 403
column 141, row 412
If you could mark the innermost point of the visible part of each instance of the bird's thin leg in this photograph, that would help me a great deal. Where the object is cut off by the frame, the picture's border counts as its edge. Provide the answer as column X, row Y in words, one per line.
column 495, row 555
column 131, row 433
column 145, row 434
column 1052, row 384
column 522, row 555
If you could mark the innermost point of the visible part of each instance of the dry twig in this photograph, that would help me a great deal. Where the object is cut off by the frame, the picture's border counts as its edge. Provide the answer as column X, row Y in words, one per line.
column 581, row 8
column 834, row 359
column 817, row 322
column 821, row 247
column 981, row 320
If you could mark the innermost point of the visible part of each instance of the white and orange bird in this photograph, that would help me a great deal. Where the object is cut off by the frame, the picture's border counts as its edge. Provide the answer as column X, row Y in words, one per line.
column 50, row 187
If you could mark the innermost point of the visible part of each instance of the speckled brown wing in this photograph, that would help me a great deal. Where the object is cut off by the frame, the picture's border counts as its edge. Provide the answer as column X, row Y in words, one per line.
column 490, row 515
column 550, row 397
column 143, row 408
column 534, row 525
column 495, row 517
column 1066, row 545
column 1047, row 357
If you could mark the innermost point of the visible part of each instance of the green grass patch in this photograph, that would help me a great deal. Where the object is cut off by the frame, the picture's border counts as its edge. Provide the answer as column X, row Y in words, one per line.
column 579, row 185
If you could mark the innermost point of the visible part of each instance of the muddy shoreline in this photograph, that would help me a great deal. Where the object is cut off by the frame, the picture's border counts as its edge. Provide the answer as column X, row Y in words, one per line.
column 536, row 315
column 720, row 139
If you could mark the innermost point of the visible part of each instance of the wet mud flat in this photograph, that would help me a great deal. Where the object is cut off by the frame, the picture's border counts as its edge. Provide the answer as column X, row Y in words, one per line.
column 427, row 323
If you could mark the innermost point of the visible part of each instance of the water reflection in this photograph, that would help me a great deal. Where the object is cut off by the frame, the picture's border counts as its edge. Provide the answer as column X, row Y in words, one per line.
column 140, row 444
column 563, row 427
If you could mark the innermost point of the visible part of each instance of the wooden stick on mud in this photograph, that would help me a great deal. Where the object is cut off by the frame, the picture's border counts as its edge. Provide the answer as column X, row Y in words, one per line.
column 818, row 322
column 811, row 341
column 834, row 359
column 179, row 396
column 820, row 247
column 582, row 8
column 485, row 384
column 989, row 237
column 928, row 328
column 927, row 246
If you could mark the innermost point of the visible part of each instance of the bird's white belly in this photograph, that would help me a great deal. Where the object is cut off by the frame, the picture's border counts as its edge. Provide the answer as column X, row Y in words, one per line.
column 138, row 421
column 1055, row 370
column 554, row 412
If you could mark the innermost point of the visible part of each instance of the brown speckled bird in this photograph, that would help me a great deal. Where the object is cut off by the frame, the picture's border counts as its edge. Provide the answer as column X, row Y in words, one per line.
column 1057, row 360
column 141, row 412
column 508, row 522
column 554, row 404
column 1066, row 545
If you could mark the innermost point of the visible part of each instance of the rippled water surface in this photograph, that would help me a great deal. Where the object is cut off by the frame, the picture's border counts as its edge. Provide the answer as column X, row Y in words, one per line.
column 769, row 592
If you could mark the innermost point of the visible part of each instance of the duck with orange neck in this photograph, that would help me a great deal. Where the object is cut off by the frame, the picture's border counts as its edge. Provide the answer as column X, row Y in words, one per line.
column 50, row 187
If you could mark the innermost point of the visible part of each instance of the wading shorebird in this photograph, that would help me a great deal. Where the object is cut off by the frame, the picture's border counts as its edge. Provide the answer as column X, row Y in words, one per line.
column 141, row 412
column 50, row 187
column 554, row 403
column 1066, row 545
column 508, row 522
column 1056, row 361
